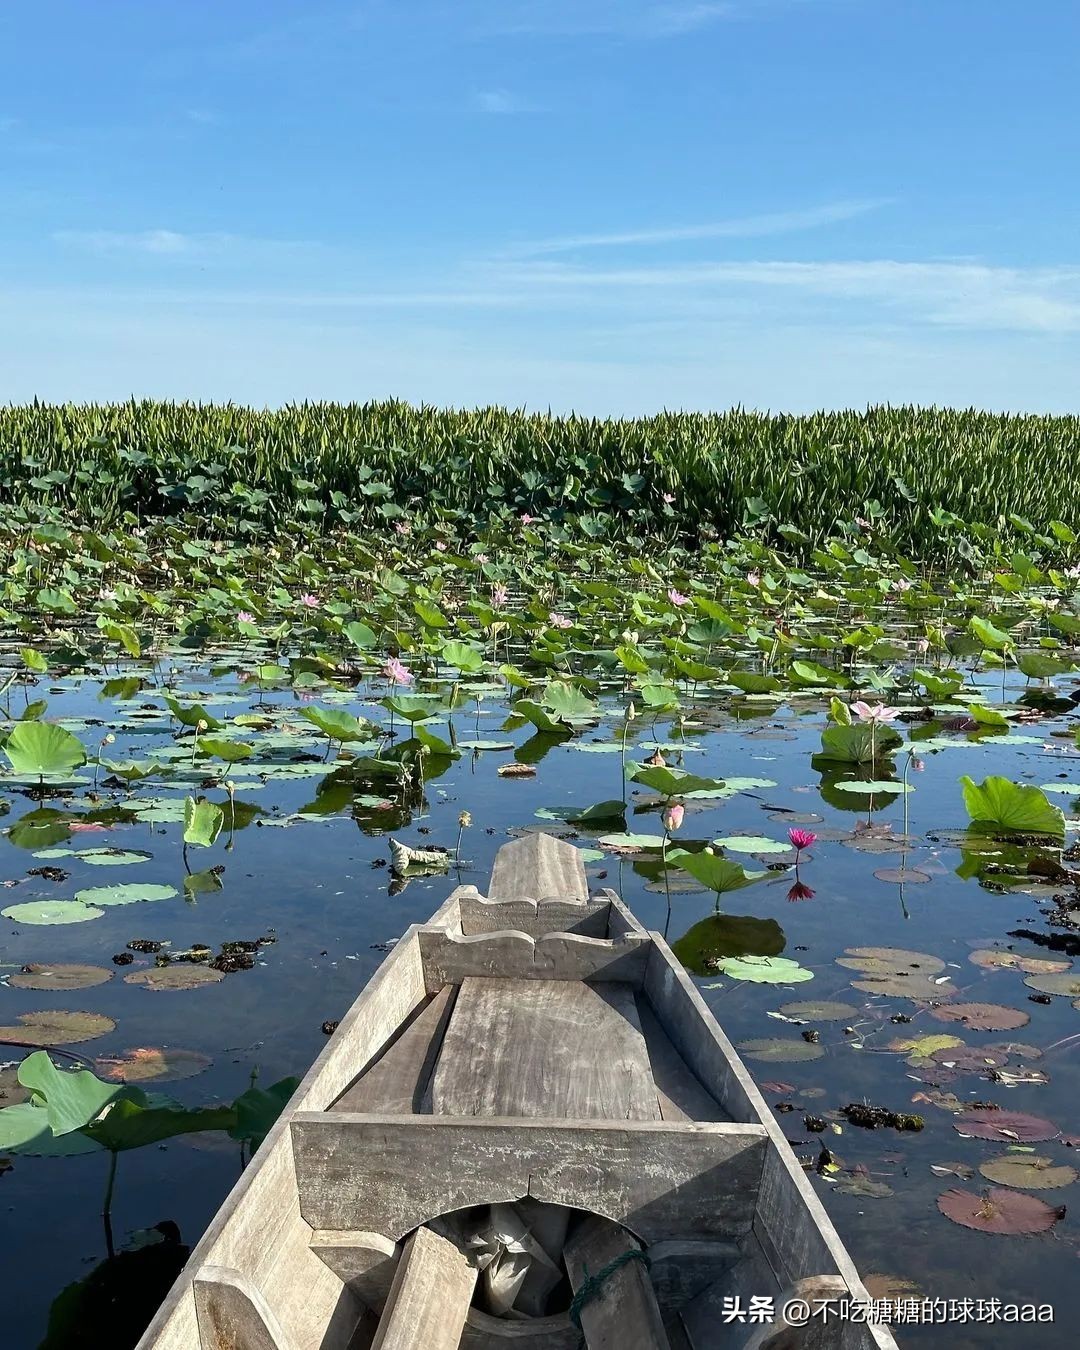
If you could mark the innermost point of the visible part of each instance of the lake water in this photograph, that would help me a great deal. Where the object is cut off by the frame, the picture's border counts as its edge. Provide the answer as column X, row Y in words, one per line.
column 318, row 883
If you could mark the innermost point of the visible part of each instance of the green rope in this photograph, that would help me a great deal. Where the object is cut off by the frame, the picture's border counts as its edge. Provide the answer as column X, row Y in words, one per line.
column 592, row 1285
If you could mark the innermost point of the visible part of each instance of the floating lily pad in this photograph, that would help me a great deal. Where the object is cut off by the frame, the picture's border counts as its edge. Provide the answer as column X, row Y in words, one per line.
column 890, row 961
column 1009, row 1213
column 746, row 843
column 37, row 975
column 764, row 969
column 921, row 1049
column 113, row 857
column 982, row 1016
column 903, row 876
column 58, row 1028
column 970, row 1058
column 820, row 1010
column 989, row 959
column 51, row 912
column 1033, row 1172
column 130, row 893
column 176, row 975
column 1015, row 1126
column 151, row 1063
column 781, row 1050
column 1067, row 986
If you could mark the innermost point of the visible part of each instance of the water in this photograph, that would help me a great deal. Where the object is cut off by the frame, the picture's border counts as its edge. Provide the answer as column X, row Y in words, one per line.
column 320, row 886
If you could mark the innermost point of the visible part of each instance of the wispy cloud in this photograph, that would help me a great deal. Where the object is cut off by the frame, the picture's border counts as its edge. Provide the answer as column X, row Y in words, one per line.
column 960, row 294
column 163, row 243
column 501, row 103
column 743, row 227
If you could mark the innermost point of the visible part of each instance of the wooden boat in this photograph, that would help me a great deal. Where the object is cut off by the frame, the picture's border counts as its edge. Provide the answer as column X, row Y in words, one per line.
column 530, row 1058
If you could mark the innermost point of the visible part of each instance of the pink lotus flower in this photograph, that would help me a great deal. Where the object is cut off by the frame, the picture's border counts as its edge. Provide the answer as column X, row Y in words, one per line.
column 402, row 528
column 901, row 584
column 875, row 712
column 754, row 578
column 245, row 616
column 526, row 519
column 440, row 546
column 310, row 601
column 482, row 558
column 499, row 596
column 917, row 764
column 673, row 817
column 801, row 839
column 668, row 499
column 863, row 523
column 396, row 672
column 559, row 620
column 677, row 598
column 86, row 827
column 922, row 645
column 799, row 891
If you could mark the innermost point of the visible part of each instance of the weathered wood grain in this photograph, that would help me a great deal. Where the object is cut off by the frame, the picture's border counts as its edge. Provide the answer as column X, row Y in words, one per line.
column 794, row 1229
column 621, row 922
column 822, row 1332
column 398, row 1080
column 233, row 1315
column 390, row 1174
column 680, row 1092
column 449, row 959
column 534, row 917
column 535, row 865
column 429, row 1297
column 554, row 1048
column 363, row 1262
column 259, row 1231
column 623, row 1313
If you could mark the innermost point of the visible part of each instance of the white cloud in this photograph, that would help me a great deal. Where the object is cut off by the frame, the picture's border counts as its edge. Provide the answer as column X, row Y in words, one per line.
column 173, row 243
column 956, row 294
column 501, row 102
column 745, row 227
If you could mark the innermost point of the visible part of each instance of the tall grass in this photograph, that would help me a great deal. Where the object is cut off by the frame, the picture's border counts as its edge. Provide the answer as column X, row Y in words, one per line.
column 363, row 464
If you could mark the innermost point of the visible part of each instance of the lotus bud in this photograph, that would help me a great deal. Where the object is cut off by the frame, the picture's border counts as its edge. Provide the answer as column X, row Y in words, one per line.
column 631, row 712
column 656, row 760
column 203, row 724
column 108, row 738
column 673, row 817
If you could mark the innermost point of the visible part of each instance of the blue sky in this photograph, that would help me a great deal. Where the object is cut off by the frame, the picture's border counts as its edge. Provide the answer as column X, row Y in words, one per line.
column 610, row 205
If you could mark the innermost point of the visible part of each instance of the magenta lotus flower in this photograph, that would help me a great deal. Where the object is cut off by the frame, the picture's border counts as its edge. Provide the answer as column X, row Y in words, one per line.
column 800, row 891
column 875, row 712
column 801, row 839
column 396, row 672
column 245, row 616
column 309, row 601
column 677, row 598
column 559, row 620
column 673, row 817
column 526, row 519
column 499, row 596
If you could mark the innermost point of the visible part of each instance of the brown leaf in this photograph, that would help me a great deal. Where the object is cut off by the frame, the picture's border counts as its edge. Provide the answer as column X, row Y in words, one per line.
column 1000, row 1211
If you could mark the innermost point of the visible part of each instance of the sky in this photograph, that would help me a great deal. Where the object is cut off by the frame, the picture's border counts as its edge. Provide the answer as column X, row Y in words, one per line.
column 609, row 206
